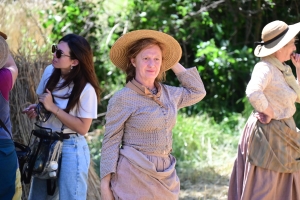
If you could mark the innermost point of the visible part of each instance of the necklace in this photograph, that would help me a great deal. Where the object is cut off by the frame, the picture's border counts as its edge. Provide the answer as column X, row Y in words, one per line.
column 153, row 91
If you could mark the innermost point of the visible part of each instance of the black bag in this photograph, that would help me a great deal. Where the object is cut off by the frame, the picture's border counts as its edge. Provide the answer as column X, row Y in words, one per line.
column 23, row 151
column 45, row 157
column 46, row 149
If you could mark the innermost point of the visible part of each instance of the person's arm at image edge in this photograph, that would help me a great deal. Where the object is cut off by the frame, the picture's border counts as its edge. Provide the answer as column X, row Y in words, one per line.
column 12, row 67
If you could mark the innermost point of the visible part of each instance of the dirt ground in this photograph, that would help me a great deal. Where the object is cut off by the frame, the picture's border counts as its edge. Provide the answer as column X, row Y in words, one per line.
column 204, row 185
column 204, row 191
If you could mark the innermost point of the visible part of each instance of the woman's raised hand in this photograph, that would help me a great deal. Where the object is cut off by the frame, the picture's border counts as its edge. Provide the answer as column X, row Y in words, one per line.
column 296, row 60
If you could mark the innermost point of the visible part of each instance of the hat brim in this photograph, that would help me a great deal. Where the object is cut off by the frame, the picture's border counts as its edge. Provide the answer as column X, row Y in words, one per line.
column 171, row 48
column 4, row 51
column 266, row 50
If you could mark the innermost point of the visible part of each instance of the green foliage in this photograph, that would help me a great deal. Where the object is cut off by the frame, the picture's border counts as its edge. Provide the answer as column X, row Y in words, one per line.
column 217, row 37
column 200, row 142
column 297, row 115
column 95, row 145
column 225, row 74
column 224, row 68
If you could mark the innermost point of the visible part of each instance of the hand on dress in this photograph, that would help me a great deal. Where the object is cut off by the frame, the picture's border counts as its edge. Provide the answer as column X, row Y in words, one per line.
column 263, row 118
column 30, row 111
column 266, row 116
column 296, row 60
column 105, row 190
column 106, row 193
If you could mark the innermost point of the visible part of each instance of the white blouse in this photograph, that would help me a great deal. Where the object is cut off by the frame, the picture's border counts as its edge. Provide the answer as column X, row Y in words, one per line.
column 268, row 87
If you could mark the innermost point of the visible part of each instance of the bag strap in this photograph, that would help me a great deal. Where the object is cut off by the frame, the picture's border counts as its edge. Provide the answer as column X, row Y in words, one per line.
column 5, row 128
column 51, row 186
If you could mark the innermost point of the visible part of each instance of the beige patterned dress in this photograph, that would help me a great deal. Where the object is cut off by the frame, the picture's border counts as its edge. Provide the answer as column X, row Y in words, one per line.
column 249, row 182
column 142, row 123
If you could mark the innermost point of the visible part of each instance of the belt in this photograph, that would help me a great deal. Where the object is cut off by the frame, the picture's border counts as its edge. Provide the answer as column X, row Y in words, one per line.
column 68, row 135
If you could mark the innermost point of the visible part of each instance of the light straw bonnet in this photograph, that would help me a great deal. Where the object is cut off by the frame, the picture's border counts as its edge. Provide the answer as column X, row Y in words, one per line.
column 4, row 50
column 275, row 35
column 171, row 49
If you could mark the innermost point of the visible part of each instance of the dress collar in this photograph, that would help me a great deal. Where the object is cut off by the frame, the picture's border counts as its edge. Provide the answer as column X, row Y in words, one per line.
column 140, row 89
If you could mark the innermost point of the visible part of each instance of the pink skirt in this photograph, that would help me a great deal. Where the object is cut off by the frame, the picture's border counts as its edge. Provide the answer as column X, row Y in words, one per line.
column 142, row 177
column 249, row 182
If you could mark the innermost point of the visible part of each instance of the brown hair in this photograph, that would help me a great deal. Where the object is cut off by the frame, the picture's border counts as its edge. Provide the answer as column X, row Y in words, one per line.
column 134, row 49
column 80, row 75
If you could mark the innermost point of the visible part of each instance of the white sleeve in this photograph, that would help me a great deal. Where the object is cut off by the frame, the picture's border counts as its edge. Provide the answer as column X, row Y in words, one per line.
column 261, row 77
column 88, row 103
column 47, row 73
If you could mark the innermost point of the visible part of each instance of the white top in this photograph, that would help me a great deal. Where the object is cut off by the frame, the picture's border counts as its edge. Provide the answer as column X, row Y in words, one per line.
column 268, row 86
column 88, row 102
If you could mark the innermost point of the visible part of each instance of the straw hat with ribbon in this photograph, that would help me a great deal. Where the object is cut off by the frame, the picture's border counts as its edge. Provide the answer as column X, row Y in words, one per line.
column 274, row 36
column 4, row 50
column 171, row 49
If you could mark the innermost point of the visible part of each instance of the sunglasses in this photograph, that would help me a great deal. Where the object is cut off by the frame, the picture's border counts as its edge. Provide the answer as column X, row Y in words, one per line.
column 42, row 114
column 58, row 52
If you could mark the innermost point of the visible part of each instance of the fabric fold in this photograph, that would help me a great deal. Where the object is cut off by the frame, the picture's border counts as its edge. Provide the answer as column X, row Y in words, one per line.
column 140, row 161
column 275, row 146
column 136, row 169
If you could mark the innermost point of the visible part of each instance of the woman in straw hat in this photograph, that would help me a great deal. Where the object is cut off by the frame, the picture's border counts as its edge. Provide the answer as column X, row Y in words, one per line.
column 140, row 118
column 268, row 159
column 10, row 184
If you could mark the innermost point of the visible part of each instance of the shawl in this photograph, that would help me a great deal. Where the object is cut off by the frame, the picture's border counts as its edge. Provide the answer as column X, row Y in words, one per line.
column 286, row 71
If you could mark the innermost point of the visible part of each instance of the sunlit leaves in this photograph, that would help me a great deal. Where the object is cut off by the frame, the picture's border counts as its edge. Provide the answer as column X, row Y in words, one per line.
column 215, row 37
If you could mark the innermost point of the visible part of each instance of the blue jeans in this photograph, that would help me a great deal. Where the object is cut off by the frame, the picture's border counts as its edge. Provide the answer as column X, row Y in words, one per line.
column 8, row 169
column 72, row 180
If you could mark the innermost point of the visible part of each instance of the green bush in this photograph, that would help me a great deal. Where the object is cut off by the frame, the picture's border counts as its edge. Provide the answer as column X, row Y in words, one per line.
column 95, row 145
column 200, row 142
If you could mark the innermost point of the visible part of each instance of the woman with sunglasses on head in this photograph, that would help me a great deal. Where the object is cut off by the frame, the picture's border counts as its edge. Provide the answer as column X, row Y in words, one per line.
column 69, row 89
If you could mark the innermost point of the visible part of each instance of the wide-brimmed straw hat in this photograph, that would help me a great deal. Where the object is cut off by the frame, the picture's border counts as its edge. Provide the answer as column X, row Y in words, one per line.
column 171, row 49
column 4, row 50
column 274, row 36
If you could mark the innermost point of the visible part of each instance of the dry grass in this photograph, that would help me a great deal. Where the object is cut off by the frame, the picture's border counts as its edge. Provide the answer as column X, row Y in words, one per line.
column 203, row 184
column 23, row 93
column 19, row 20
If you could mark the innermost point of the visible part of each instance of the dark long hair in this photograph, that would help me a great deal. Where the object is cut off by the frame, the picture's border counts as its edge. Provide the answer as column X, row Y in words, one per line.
column 134, row 50
column 80, row 75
